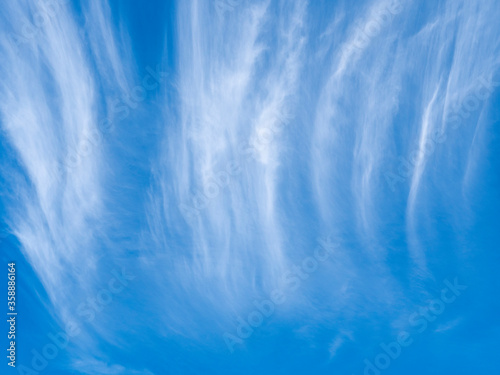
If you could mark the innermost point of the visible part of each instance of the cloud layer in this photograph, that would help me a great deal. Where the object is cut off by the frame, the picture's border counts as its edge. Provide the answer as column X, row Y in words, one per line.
column 266, row 130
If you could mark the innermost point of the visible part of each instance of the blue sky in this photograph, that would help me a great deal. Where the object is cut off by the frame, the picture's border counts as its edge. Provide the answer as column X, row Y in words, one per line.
column 251, row 187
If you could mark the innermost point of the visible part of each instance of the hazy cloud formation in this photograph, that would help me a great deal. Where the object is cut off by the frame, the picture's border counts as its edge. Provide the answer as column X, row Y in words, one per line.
column 211, row 152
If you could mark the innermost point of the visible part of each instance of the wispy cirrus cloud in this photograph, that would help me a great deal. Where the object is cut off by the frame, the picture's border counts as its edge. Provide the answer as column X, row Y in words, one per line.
column 232, row 87
column 55, row 87
column 254, row 129
column 354, row 97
